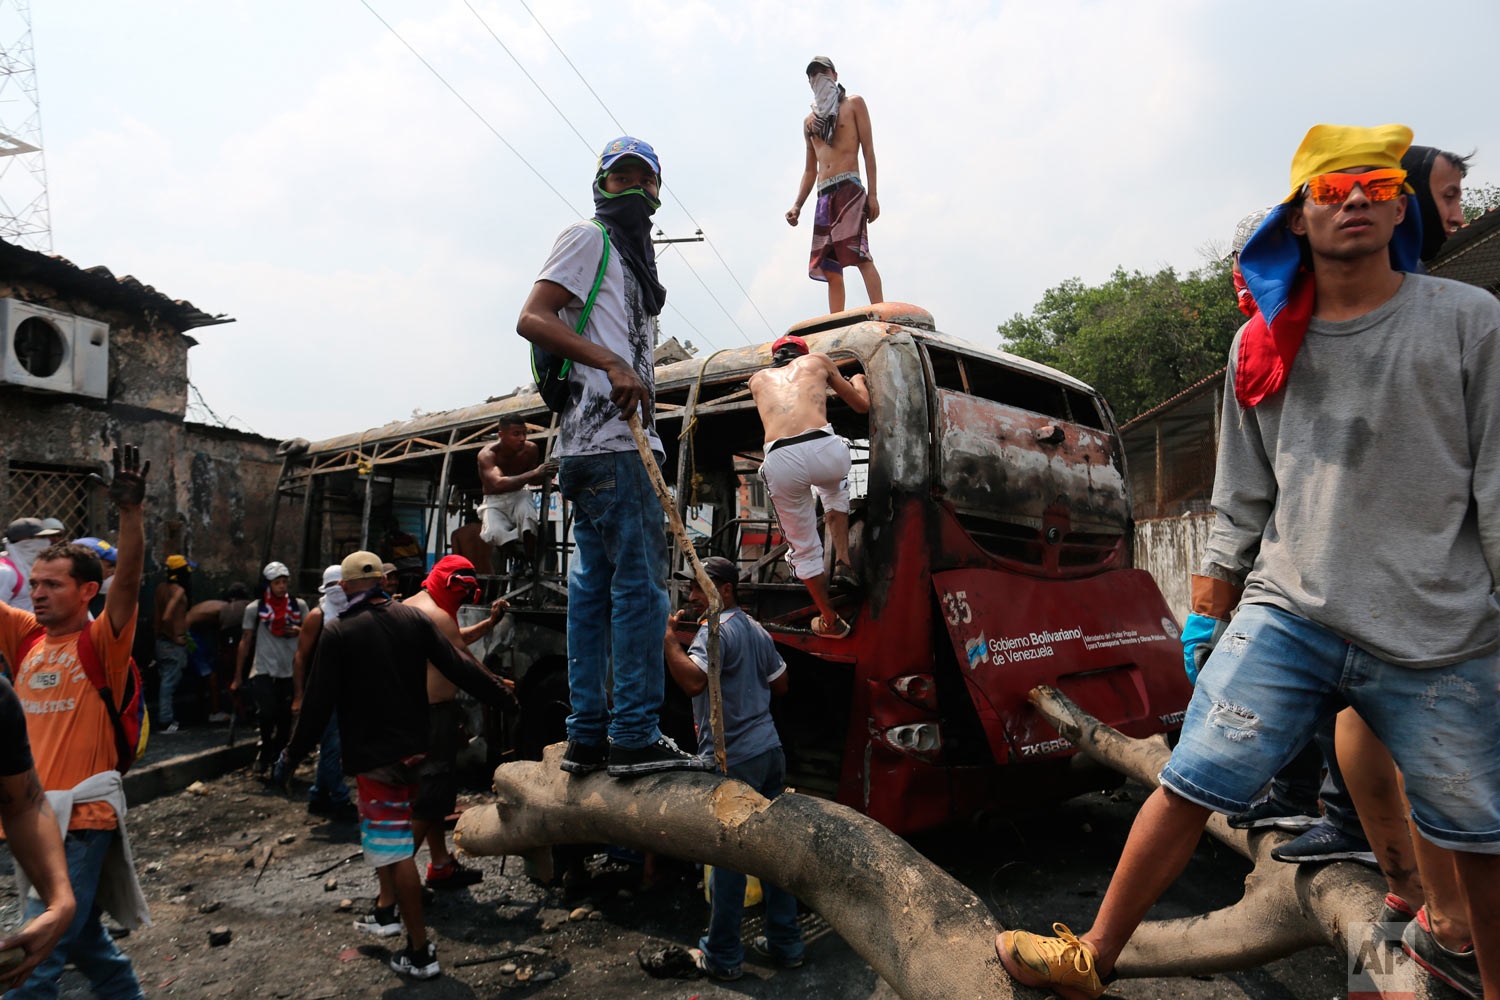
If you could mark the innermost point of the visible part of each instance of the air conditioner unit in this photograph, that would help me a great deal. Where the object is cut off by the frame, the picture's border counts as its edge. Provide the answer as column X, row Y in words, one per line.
column 52, row 351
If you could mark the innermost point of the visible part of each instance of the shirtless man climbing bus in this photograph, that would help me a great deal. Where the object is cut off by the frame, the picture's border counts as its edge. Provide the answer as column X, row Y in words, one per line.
column 803, row 457
column 834, row 133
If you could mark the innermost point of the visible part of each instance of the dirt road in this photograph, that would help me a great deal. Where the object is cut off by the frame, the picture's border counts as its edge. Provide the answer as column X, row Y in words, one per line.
column 228, row 851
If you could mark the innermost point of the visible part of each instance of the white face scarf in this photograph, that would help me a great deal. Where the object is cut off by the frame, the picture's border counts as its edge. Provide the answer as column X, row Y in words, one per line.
column 825, row 107
column 24, row 553
column 334, row 603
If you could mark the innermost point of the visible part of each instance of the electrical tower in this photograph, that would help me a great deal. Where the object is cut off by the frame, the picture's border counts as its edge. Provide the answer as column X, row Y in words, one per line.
column 25, row 218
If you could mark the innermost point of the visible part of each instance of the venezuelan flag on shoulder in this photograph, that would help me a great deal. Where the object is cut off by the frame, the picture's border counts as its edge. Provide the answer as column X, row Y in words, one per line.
column 1276, row 266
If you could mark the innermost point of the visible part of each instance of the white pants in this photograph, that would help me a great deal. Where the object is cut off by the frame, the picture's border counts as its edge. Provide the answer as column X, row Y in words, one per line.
column 505, row 517
column 794, row 474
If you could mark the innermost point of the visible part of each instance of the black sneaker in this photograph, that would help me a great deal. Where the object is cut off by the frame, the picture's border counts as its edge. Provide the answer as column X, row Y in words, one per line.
column 452, row 876
column 585, row 758
column 1271, row 812
column 663, row 755
column 1459, row 969
column 1325, row 842
column 339, row 812
column 383, row 922
column 419, row 963
column 762, row 946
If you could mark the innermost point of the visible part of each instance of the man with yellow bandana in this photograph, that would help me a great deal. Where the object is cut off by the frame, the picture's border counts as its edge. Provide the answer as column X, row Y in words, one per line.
column 1356, row 545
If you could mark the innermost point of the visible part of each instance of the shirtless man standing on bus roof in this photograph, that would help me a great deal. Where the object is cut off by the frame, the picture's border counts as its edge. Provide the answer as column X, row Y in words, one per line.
column 805, row 457
column 834, row 133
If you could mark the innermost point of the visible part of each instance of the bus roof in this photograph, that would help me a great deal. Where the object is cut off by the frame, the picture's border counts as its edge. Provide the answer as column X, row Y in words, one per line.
column 854, row 331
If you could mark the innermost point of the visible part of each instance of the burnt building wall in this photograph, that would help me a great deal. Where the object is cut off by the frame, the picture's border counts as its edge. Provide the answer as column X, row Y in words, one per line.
column 210, row 491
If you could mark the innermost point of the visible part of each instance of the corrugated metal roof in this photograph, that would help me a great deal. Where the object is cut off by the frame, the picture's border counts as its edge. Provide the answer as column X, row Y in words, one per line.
column 99, row 285
column 1472, row 254
column 1191, row 390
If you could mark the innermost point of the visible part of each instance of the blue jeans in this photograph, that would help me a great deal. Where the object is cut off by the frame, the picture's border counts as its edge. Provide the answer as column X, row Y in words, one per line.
column 617, row 599
column 85, row 943
column 726, row 889
column 170, row 659
column 1274, row 677
column 1303, row 785
column 328, row 784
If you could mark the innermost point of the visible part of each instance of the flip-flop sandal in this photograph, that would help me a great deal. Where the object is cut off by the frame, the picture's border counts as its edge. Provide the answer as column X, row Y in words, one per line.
column 840, row 630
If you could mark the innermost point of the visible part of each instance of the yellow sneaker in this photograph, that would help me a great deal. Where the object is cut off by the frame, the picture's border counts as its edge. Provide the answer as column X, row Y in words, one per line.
column 1063, row 964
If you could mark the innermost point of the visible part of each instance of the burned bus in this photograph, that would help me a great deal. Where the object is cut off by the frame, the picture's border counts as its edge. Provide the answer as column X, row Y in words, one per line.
column 990, row 528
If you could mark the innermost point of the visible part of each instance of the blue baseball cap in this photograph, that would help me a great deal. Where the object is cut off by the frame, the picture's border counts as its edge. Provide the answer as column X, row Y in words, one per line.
column 617, row 149
column 100, row 548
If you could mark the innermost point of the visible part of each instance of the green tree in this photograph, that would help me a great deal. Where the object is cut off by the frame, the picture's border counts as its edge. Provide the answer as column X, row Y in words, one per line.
column 1480, row 198
column 1138, row 338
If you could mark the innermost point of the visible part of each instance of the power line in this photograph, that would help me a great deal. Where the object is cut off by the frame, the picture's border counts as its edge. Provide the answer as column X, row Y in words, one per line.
column 474, row 111
column 683, row 257
column 733, row 277
column 485, row 122
column 545, row 96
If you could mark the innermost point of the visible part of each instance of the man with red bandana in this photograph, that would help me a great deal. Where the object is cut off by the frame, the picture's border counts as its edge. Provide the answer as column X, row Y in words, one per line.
column 450, row 584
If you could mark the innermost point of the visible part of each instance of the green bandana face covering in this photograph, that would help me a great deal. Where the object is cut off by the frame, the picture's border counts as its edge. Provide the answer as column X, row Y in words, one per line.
column 627, row 216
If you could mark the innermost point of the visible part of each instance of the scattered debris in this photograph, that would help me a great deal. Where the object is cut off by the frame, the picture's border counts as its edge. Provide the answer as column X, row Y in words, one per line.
column 672, row 961
column 265, row 862
column 342, row 861
column 545, row 976
column 345, row 905
column 199, row 788
column 532, row 949
column 286, row 838
column 209, row 907
column 349, row 954
column 330, row 885
column 219, row 936
column 524, row 975
column 154, row 866
column 508, row 969
column 595, row 915
column 580, row 914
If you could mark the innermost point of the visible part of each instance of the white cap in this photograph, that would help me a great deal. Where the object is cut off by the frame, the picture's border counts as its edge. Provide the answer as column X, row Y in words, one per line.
column 52, row 524
column 331, row 577
column 274, row 570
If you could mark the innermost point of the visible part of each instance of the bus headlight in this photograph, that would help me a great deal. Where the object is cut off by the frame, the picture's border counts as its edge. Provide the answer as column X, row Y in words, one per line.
column 917, row 689
column 922, row 740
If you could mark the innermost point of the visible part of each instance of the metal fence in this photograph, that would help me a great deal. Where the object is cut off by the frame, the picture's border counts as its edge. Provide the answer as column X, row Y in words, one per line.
column 52, row 491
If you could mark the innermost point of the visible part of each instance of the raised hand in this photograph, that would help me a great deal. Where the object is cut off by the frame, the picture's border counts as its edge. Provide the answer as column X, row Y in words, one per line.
column 128, row 487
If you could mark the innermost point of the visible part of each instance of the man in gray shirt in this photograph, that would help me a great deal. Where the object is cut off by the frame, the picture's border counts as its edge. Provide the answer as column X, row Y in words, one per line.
column 1358, row 531
column 750, row 671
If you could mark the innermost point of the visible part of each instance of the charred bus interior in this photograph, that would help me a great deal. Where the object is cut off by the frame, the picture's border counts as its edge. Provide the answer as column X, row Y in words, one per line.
column 422, row 485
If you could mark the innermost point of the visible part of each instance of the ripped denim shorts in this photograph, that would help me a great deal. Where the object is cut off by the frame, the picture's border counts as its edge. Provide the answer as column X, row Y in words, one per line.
column 1274, row 676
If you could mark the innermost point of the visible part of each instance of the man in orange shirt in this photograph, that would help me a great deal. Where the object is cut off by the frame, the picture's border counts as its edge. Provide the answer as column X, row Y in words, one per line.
column 73, row 739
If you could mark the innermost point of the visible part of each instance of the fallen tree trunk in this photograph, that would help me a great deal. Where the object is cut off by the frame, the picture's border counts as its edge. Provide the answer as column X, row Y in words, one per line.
column 925, row 933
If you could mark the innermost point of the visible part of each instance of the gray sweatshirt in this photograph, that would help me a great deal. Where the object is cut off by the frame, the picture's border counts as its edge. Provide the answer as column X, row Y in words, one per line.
column 1365, row 496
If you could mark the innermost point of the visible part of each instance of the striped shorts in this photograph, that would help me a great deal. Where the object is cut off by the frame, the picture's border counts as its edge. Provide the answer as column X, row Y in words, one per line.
column 385, row 818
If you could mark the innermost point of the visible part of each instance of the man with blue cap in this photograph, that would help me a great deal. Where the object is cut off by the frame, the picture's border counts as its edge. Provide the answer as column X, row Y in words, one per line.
column 595, row 305
column 1356, row 544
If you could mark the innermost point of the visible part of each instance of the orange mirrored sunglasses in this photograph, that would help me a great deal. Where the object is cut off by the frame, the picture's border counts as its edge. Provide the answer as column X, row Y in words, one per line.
column 1333, row 189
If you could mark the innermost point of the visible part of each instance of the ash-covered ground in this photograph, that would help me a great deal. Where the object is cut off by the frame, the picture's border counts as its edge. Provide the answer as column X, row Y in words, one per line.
column 233, row 854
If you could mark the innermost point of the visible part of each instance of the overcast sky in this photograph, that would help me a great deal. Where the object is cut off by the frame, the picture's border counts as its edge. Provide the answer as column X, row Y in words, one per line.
column 293, row 165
